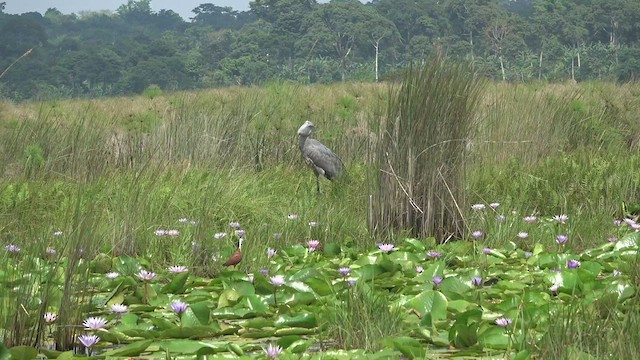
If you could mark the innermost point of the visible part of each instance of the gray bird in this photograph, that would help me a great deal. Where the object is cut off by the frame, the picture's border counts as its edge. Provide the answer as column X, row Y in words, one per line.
column 319, row 157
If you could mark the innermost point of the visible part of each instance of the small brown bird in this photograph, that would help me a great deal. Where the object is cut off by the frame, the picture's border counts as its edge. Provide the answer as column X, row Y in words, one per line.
column 236, row 257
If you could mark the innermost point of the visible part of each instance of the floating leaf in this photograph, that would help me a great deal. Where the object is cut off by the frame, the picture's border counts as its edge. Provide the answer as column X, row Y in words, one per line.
column 306, row 320
column 176, row 285
column 298, row 346
column 23, row 352
column 235, row 348
column 416, row 244
column 228, row 297
column 183, row 346
column 243, row 288
column 256, row 304
column 181, row 332
column 368, row 272
column 133, row 349
column 431, row 303
column 201, row 312
column 409, row 347
column 494, row 337
column 294, row 331
column 304, row 274
column 463, row 332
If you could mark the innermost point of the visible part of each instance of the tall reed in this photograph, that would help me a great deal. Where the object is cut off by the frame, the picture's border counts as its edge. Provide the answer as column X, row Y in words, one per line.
column 419, row 165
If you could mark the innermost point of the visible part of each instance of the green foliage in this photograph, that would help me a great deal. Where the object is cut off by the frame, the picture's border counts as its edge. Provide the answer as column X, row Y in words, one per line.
column 152, row 91
column 421, row 154
column 311, row 42
column 205, row 159
column 361, row 318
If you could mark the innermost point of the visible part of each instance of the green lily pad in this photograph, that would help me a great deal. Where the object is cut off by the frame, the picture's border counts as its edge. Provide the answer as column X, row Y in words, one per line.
column 183, row 346
column 181, row 332
column 430, row 303
column 409, row 347
column 256, row 304
column 494, row 337
column 416, row 244
column 23, row 352
column 306, row 320
column 176, row 285
column 133, row 349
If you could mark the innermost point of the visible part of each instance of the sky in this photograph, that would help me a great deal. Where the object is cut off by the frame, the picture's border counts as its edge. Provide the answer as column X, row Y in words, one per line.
column 182, row 7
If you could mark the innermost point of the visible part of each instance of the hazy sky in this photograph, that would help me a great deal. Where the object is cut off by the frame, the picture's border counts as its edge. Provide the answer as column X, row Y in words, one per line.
column 182, row 7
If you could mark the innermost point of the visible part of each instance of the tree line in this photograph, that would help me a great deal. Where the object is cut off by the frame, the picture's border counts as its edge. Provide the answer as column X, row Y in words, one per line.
column 123, row 52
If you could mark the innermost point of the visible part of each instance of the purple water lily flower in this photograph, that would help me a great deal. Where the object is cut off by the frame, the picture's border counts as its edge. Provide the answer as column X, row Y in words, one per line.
column 561, row 239
column 177, row 269
column 419, row 269
column 271, row 252
column 504, row 322
column 88, row 340
column 146, row 275
column 11, row 248
column 94, row 323
column 523, row 235
column 119, row 308
column 477, row 234
column 434, row 254
column 486, row 251
column 436, row 280
column 573, row 264
column 530, row 219
column 272, row 351
column 344, row 271
column 312, row 245
column 477, row 281
column 278, row 280
column 179, row 307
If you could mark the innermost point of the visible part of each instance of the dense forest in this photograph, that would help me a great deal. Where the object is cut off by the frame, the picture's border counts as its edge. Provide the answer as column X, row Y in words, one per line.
column 126, row 51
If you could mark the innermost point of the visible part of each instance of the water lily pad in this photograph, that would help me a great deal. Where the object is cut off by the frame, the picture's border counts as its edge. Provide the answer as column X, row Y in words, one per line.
column 494, row 337
column 181, row 332
column 304, row 274
column 459, row 306
column 416, row 244
column 183, row 346
column 629, row 241
column 463, row 332
column 257, row 333
column 176, row 285
column 133, row 349
column 319, row 286
column 243, row 288
column 256, row 304
column 23, row 352
column 294, row 331
column 409, row 347
column 306, row 320
column 228, row 297
column 430, row 304
column 257, row 323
